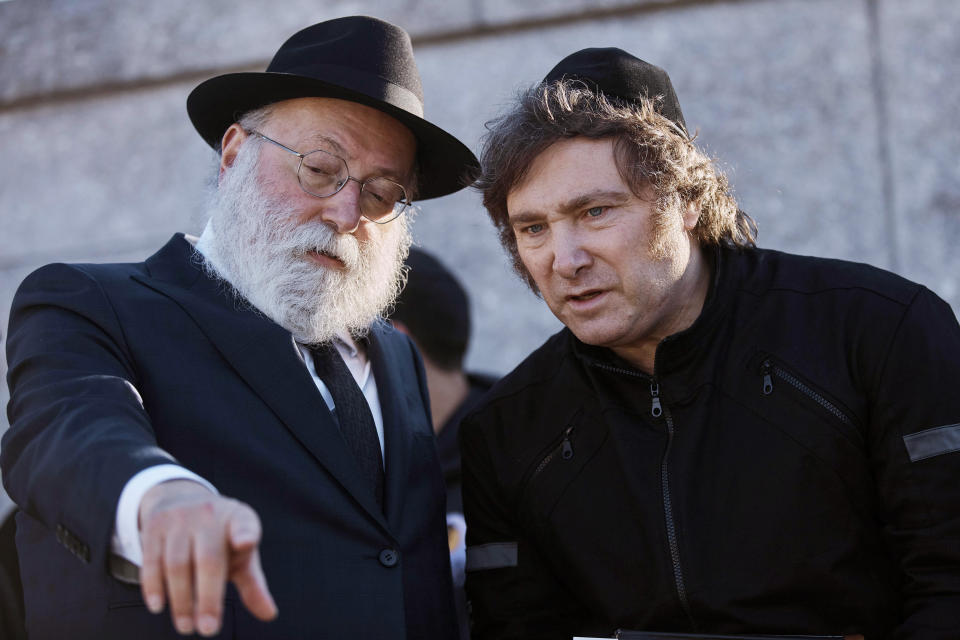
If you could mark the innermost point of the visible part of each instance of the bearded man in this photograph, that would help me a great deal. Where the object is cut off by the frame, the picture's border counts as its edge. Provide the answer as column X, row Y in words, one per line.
column 251, row 362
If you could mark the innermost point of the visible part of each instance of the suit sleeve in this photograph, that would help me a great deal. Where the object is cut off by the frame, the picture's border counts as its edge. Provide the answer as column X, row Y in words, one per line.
column 78, row 429
column 512, row 590
column 915, row 446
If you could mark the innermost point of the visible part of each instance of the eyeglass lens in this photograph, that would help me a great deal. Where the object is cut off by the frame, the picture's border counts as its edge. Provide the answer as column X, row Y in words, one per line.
column 323, row 174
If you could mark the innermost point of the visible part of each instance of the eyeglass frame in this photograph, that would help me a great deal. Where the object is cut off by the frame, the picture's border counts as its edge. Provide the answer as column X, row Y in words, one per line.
column 383, row 220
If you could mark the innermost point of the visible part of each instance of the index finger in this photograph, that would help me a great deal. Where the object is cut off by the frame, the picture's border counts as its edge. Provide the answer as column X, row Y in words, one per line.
column 252, row 586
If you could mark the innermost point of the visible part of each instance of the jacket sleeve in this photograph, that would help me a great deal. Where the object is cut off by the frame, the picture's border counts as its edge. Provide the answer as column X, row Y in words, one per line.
column 915, row 447
column 512, row 591
column 78, row 429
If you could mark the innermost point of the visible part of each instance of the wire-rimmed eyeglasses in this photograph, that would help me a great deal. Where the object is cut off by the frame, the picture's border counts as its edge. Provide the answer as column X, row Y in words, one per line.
column 323, row 174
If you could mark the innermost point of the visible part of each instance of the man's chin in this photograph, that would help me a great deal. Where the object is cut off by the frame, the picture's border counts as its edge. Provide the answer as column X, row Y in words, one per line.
column 307, row 335
column 319, row 326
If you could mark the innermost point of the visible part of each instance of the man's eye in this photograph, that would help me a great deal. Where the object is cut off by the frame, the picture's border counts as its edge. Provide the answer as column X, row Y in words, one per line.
column 596, row 212
column 532, row 229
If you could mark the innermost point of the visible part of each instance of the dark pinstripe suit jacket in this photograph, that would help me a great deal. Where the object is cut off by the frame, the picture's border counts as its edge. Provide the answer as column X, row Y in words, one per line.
column 113, row 368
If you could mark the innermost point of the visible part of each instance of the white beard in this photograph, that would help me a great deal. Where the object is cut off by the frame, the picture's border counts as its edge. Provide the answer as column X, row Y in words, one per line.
column 253, row 242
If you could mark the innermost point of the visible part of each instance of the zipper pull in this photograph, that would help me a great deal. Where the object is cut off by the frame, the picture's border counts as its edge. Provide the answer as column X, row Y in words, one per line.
column 566, row 448
column 767, row 379
column 656, row 410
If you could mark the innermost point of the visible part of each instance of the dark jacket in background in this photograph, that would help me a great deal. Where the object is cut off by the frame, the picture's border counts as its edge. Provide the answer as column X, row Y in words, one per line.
column 449, row 451
column 792, row 467
column 448, row 437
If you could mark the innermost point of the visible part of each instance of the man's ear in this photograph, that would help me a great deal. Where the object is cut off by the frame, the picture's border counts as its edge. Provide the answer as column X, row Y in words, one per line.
column 230, row 146
column 691, row 215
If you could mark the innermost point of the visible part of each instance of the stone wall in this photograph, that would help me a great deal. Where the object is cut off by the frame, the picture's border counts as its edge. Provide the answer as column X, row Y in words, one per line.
column 833, row 118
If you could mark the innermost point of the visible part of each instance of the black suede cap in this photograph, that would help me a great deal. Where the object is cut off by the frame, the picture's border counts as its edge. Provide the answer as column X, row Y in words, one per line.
column 618, row 74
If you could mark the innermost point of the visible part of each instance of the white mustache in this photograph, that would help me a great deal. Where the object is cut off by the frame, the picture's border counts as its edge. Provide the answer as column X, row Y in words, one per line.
column 322, row 239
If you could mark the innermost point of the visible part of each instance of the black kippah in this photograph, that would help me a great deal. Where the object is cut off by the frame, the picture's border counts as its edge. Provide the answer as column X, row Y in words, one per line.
column 616, row 73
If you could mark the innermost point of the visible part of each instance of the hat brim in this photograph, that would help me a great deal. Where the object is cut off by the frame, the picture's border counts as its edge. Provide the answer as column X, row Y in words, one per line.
column 445, row 164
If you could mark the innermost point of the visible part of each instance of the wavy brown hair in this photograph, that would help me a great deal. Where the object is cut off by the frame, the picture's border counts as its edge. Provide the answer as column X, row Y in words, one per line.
column 650, row 151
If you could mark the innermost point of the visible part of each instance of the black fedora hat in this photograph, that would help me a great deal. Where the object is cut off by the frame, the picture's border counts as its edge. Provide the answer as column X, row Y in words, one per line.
column 357, row 58
column 618, row 74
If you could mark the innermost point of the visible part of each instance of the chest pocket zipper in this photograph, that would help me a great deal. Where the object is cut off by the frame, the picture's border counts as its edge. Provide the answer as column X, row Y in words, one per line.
column 562, row 450
column 771, row 371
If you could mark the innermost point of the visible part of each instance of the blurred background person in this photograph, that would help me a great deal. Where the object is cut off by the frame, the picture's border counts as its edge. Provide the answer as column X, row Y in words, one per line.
column 434, row 311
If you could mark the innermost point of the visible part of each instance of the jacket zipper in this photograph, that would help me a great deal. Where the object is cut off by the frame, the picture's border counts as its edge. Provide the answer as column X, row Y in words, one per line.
column 658, row 410
column 770, row 370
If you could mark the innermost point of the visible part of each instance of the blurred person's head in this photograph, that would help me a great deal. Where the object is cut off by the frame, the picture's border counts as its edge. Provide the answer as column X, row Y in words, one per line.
column 434, row 310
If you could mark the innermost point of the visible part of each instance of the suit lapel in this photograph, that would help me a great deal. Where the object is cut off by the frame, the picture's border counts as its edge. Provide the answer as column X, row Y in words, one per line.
column 392, row 364
column 265, row 356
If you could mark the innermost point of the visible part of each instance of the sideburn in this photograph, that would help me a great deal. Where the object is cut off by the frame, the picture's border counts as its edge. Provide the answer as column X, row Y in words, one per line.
column 640, row 178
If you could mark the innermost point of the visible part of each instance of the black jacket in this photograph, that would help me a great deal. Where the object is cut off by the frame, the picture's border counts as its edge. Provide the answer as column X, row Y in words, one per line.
column 791, row 467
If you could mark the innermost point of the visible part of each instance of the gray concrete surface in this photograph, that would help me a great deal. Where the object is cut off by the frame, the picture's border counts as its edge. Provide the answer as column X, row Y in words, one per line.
column 833, row 118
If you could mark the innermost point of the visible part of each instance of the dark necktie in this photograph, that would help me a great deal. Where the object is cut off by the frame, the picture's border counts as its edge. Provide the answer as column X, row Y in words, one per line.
column 352, row 414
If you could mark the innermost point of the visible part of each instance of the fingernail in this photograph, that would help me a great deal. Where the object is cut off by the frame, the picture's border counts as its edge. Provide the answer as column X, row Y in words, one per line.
column 207, row 625
column 184, row 624
column 155, row 604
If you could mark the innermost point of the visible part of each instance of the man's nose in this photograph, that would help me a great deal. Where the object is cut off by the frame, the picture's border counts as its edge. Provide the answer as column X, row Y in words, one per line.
column 569, row 254
column 342, row 210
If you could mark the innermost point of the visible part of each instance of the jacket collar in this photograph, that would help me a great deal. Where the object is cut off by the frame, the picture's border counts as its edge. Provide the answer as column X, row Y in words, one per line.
column 266, row 357
column 392, row 362
column 684, row 350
